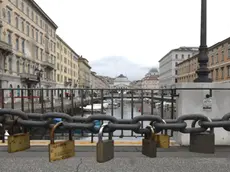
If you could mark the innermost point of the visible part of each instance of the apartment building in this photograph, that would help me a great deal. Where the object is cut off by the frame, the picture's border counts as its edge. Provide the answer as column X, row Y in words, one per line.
column 67, row 65
column 84, row 73
column 167, row 64
column 27, row 46
column 219, row 64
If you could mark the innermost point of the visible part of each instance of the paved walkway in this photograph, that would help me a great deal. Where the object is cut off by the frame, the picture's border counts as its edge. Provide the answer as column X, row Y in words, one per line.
column 127, row 159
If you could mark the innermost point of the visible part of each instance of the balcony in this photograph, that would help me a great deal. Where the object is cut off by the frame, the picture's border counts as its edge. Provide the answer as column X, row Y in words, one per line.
column 48, row 64
column 26, row 77
column 7, row 49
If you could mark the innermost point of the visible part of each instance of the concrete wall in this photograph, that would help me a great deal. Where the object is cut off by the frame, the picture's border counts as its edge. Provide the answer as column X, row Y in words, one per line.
column 191, row 102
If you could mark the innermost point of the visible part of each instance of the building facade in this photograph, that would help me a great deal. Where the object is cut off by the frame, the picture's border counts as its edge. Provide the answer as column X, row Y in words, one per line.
column 167, row 65
column 151, row 81
column 219, row 64
column 84, row 71
column 27, row 46
column 67, row 65
column 121, row 82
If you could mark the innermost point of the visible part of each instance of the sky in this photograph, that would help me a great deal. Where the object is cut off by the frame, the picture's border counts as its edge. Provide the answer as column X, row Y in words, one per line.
column 139, row 32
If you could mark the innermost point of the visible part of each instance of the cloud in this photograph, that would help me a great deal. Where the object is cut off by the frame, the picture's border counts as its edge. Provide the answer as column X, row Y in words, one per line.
column 113, row 66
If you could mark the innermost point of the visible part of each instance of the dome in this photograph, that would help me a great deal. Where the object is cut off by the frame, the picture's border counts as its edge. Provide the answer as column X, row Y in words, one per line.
column 121, row 78
column 153, row 70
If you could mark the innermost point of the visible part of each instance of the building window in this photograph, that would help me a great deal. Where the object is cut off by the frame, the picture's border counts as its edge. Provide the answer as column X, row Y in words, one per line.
column 0, row 33
column 28, row 11
column 36, row 52
column 36, row 19
column 9, row 16
column 22, row 7
column 222, row 73
column 10, row 64
column 229, row 53
column 176, row 56
column 28, row 30
column 228, row 68
column 23, row 46
column 217, row 60
column 37, row 36
column 32, row 15
column 16, row 22
column 41, row 38
column 217, row 74
column 32, row 32
column 22, row 26
column 18, row 67
column 17, row 44
column 41, row 54
column 40, row 22
column 188, row 55
column 9, row 38
column 222, row 55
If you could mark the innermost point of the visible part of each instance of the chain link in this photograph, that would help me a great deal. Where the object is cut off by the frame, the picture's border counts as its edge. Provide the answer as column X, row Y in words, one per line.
column 83, row 123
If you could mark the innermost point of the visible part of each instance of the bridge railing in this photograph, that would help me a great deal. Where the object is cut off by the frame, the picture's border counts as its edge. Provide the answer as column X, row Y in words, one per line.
column 120, row 103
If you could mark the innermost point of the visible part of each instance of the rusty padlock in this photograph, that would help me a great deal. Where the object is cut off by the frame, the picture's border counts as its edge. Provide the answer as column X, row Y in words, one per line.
column 18, row 142
column 62, row 149
column 105, row 148
column 149, row 145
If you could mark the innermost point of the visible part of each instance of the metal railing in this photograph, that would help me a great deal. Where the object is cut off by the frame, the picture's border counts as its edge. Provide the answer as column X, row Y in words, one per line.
column 123, row 104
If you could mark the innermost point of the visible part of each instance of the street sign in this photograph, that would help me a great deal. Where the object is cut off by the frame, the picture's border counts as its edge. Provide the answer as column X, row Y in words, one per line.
column 207, row 104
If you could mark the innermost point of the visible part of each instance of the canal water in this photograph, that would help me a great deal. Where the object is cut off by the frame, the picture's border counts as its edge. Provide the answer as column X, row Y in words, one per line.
column 127, row 114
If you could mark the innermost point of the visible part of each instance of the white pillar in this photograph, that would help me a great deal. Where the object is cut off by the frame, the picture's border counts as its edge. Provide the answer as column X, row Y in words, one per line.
column 191, row 102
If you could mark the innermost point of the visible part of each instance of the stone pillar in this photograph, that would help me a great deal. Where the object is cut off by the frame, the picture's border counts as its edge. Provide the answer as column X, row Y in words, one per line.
column 191, row 102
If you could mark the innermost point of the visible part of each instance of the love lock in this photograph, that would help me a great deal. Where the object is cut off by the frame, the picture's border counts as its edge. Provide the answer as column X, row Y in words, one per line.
column 149, row 145
column 62, row 149
column 202, row 142
column 163, row 140
column 18, row 142
column 105, row 148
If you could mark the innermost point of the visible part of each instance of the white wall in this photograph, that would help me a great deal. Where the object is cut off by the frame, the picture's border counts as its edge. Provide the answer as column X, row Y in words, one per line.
column 191, row 102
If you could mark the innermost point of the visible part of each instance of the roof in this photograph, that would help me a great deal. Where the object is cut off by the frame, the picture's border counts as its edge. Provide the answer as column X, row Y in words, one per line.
column 121, row 76
column 193, row 49
column 58, row 37
column 45, row 15
column 209, row 49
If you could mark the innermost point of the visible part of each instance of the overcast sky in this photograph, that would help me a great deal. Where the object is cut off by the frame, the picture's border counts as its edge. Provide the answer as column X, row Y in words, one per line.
column 142, row 31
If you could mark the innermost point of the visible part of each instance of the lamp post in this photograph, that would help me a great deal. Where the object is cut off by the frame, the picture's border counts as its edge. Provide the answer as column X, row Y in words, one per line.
column 39, row 75
column 203, row 71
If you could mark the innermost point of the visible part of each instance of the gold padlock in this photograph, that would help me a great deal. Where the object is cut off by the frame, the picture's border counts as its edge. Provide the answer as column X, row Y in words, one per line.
column 18, row 142
column 163, row 140
column 62, row 149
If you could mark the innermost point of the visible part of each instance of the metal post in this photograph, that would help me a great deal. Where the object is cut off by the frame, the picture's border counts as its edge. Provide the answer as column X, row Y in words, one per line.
column 203, row 70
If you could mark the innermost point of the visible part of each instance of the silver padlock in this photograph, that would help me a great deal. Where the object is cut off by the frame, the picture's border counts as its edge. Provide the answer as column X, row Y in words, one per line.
column 105, row 148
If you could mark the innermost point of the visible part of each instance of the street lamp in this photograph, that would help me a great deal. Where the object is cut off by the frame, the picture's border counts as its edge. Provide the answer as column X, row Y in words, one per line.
column 39, row 76
column 203, row 71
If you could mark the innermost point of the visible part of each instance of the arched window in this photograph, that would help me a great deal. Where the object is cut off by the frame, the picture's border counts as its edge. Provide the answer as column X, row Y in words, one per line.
column 23, row 67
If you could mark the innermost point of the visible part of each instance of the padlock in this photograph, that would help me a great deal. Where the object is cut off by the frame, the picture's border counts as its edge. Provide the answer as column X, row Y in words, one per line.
column 202, row 142
column 62, row 149
column 163, row 140
column 105, row 148
column 149, row 145
column 18, row 142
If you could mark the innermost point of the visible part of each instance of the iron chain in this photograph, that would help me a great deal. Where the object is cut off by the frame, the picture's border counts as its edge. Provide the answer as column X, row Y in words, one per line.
column 77, row 122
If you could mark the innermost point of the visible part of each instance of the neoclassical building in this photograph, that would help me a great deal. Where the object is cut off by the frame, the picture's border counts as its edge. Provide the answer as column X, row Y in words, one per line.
column 27, row 46
column 151, row 80
column 121, row 82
